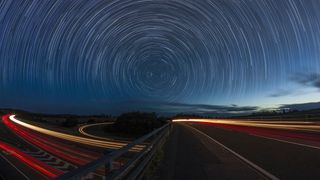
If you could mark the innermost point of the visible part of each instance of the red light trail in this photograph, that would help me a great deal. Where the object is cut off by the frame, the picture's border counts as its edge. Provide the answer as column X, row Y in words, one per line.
column 31, row 161
column 309, row 131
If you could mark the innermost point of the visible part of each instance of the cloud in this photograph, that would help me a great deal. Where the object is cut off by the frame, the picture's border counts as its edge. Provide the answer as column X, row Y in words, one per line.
column 304, row 79
column 303, row 106
column 307, row 79
column 281, row 93
column 203, row 109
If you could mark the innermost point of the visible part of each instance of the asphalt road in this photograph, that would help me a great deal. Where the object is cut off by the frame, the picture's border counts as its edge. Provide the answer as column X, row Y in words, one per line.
column 284, row 160
column 194, row 151
column 12, row 168
column 190, row 155
column 8, row 170
column 44, row 164
column 36, row 155
column 199, row 151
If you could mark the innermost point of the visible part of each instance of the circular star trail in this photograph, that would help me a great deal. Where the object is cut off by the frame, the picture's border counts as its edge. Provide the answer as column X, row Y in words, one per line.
column 185, row 51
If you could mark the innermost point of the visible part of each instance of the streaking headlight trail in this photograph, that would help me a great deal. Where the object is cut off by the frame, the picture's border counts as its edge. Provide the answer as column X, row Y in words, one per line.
column 78, row 139
column 294, row 125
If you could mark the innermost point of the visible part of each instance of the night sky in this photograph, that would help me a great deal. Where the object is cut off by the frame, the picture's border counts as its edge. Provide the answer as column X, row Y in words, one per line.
column 167, row 56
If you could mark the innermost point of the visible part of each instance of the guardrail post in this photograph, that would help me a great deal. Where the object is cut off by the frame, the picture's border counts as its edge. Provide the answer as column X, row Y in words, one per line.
column 108, row 166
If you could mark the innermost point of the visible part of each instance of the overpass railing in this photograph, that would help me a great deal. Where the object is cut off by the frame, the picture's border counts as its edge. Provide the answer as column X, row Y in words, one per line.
column 134, row 166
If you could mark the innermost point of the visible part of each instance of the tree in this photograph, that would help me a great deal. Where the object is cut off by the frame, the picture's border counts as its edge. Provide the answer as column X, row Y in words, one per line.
column 136, row 123
column 70, row 122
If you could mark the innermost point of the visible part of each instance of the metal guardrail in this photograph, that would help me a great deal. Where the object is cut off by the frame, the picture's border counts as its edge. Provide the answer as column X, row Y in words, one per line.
column 135, row 164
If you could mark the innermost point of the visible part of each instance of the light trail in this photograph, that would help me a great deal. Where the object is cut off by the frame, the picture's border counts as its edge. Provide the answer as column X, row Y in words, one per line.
column 248, row 162
column 265, row 129
column 82, row 131
column 15, row 167
column 30, row 161
column 68, row 137
column 42, row 144
column 290, row 125
column 60, row 150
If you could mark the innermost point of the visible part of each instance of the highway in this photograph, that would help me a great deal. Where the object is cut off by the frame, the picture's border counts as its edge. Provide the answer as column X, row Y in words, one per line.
column 15, row 160
column 301, row 133
column 196, row 149
column 283, row 125
column 10, row 168
column 82, row 140
column 32, row 152
column 274, row 150
column 82, row 130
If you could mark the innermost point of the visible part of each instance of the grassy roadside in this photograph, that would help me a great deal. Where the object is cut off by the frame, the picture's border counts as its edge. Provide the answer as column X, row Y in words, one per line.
column 151, row 172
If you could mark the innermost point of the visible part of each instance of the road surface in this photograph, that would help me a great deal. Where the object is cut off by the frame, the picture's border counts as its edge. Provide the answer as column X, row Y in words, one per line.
column 193, row 149
column 32, row 152
column 190, row 155
column 197, row 149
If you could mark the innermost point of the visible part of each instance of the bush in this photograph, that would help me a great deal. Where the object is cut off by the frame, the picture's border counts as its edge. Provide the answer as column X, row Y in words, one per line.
column 69, row 123
column 91, row 121
column 136, row 123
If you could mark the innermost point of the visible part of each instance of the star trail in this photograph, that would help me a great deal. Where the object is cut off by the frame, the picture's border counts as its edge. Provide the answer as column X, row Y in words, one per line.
column 99, row 56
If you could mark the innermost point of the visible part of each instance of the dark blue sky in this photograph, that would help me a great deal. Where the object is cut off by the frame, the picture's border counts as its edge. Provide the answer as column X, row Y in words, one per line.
column 208, row 56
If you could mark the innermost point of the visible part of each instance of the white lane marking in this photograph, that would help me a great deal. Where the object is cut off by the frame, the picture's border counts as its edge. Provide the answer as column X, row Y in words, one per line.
column 258, row 168
column 64, row 166
column 50, row 160
column 44, row 158
column 55, row 162
column 93, row 175
column 15, row 167
column 89, row 176
column 289, row 142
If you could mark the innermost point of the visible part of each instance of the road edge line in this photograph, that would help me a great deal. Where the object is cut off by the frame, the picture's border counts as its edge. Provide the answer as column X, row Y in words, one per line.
column 289, row 142
column 256, row 167
column 15, row 167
